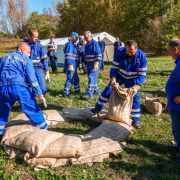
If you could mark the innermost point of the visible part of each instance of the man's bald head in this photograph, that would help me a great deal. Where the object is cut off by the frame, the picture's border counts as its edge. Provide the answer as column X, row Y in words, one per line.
column 24, row 48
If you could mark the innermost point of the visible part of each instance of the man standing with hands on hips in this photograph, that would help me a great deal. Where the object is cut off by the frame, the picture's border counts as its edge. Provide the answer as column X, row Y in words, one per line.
column 39, row 58
column 173, row 91
column 92, row 62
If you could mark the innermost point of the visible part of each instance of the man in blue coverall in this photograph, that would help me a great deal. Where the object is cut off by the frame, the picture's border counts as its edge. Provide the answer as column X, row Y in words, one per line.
column 93, row 62
column 16, row 74
column 71, row 65
column 129, row 67
column 102, row 46
column 39, row 58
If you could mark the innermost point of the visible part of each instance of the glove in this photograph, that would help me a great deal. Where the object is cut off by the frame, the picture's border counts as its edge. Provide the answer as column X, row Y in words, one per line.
column 96, row 65
column 113, row 82
column 80, row 67
column 135, row 88
column 71, row 67
column 85, row 67
column 42, row 101
column 47, row 77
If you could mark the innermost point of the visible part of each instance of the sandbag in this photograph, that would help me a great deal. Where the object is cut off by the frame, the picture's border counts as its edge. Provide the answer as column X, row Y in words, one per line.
column 120, row 104
column 73, row 113
column 65, row 146
column 155, row 105
column 87, row 113
column 33, row 142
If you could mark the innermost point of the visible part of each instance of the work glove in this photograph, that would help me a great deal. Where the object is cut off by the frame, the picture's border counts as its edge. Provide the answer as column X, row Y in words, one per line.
column 80, row 67
column 85, row 67
column 113, row 82
column 47, row 77
column 135, row 88
column 71, row 67
column 96, row 65
column 41, row 100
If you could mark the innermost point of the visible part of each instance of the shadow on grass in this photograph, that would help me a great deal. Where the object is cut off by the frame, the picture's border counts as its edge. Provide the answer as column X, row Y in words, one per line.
column 155, row 163
column 156, row 93
column 76, row 127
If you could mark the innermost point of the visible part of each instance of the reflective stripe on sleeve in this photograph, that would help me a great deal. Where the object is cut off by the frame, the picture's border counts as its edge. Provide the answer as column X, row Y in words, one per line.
column 142, row 73
column 75, row 55
column 143, row 69
column 115, row 63
column 114, row 67
column 132, row 77
column 15, row 57
column 34, row 84
column 44, row 57
column 128, row 73
column 67, row 57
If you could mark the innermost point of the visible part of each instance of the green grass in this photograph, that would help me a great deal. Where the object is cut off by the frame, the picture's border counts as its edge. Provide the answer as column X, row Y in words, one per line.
column 147, row 155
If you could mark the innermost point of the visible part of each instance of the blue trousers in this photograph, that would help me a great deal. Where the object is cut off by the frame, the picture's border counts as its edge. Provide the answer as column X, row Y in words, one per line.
column 135, row 111
column 72, row 79
column 12, row 93
column 175, row 117
column 92, row 87
column 102, row 63
column 40, row 77
column 54, row 66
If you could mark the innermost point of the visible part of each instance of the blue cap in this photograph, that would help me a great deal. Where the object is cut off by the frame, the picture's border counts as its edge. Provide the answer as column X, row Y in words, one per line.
column 74, row 34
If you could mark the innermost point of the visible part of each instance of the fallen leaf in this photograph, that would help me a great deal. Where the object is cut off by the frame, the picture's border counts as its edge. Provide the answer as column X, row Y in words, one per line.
column 160, row 119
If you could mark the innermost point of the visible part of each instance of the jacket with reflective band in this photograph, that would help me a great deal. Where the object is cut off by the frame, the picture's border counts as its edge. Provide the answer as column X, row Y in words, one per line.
column 173, row 87
column 134, row 73
column 93, row 53
column 71, row 55
column 16, row 68
column 38, row 55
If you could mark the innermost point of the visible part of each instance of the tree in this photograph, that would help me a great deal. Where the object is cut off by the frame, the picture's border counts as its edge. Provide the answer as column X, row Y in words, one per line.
column 13, row 14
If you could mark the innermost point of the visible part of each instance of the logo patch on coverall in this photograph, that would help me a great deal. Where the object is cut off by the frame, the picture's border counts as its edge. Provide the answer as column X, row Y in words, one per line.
column 38, row 57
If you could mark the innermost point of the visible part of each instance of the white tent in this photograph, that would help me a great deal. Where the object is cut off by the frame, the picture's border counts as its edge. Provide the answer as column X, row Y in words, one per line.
column 60, row 42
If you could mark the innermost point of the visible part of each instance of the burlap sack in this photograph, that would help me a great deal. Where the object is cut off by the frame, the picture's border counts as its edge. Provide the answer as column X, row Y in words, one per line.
column 86, row 112
column 53, row 117
column 33, row 142
column 120, row 104
column 73, row 113
column 155, row 105
column 65, row 146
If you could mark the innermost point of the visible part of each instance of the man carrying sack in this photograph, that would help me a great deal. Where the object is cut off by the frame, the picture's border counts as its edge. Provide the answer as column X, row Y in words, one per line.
column 129, row 67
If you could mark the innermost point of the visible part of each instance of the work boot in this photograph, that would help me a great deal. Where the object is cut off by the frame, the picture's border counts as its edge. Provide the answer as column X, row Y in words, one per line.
column 56, row 73
column 136, row 125
column 85, row 97
column 95, row 110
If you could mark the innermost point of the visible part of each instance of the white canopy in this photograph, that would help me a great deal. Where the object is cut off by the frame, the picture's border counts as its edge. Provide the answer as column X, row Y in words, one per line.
column 60, row 42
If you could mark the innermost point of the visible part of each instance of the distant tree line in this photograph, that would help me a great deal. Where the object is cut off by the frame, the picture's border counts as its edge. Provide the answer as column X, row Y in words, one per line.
column 150, row 22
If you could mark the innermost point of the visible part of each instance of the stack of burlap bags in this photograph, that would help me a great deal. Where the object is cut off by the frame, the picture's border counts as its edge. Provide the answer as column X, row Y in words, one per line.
column 51, row 149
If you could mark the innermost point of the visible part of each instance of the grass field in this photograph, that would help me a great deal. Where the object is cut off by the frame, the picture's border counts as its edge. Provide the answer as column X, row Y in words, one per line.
column 147, row 155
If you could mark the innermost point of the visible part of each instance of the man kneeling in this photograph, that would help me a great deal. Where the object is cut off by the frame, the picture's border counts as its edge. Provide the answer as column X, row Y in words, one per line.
column 129, row 67
column 16, row 73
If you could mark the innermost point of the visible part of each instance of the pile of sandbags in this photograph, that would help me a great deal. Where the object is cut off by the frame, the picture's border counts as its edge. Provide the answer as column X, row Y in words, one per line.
column 155, row 105
column 52, row 149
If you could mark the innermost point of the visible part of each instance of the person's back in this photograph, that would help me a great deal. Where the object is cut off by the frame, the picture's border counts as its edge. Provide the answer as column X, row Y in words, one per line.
column 12, row 69
column 117, row 45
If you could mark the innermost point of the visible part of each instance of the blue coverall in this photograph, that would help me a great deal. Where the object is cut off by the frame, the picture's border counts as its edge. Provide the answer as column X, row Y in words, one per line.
column 16, row 74
column 128, row 74
column 92, row 54
column 71, row 57
column 39, row 59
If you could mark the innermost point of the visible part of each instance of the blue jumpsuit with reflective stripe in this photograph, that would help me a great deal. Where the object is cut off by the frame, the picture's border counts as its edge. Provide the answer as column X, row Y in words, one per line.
column 129, row 75
column 71, row 57
column 39, row 59
column 16, row 74
column 92, row 54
